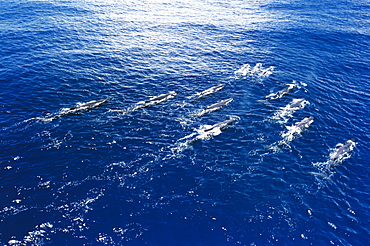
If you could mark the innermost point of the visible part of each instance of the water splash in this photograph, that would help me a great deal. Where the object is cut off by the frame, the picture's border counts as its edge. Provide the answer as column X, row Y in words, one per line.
column 257, row 71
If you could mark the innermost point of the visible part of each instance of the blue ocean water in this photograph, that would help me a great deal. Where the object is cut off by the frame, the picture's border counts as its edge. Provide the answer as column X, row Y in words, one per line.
column 118, row 174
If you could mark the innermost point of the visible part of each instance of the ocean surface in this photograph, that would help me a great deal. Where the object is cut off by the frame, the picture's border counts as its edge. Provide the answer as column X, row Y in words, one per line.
column 137, row 169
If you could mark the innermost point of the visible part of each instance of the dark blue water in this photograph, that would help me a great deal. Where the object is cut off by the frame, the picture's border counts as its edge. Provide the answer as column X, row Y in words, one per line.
column 107, row 176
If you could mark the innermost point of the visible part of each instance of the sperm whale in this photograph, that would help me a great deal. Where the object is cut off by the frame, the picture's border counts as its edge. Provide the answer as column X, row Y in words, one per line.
column 151, row 101
column 79, row 108
column 282, row 92
column 221, row 125
column 287, row 111
column 215, row 107
column 297, row 128
column 297, row 104
column 85, row 106
column 156, row 100
column 208, row 92
column 207, row 131
column 342, row 151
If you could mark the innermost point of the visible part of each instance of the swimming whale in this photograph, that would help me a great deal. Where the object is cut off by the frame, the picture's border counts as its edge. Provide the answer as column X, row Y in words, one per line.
column 282, row 92
column 79, row 108
column 297, row 128
column 85, row 106
column 207, row 131
column 155, row 100
column 287, row 111
column 342, row 151
column 221, row 125
column 215, row 107
column 158, row 99
column 297, row 104
column 209, row 91
column 305, row 123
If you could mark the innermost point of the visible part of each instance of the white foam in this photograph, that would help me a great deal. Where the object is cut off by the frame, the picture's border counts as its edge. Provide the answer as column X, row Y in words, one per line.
column 256, row 71
column 38, row 236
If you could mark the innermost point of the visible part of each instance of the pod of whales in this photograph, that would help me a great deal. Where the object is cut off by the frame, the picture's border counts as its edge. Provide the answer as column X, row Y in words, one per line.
column 341, row 152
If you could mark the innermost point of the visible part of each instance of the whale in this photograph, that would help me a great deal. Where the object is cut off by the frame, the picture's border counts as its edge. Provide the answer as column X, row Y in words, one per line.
column 206, row 132
column 246, row 68
column 287, row 111
column 305, row 123
column 297, row 103
column 85, row 106
column 221, row 125
column 79, row 108
column 155, row 100
column 297, row 128
column 215, row 107
column 282, row 92
column 342, row 151
column 158, row 99
column 208, row 92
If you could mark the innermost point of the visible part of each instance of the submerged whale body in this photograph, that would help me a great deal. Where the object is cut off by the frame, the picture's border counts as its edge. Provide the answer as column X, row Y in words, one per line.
column 342, row 151
column 215, row 107
column 208, row 92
